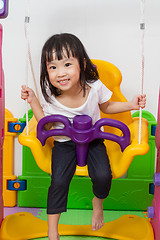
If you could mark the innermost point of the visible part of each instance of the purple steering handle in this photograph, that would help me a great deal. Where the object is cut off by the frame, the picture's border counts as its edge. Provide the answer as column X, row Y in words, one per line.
column 82, row 132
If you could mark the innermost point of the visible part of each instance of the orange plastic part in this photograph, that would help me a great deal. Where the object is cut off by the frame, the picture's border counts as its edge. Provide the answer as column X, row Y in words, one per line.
column 2, row 104
column 9, row 197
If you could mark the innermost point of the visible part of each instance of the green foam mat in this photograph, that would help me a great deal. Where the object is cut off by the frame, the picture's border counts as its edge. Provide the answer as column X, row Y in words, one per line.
column 82, row 217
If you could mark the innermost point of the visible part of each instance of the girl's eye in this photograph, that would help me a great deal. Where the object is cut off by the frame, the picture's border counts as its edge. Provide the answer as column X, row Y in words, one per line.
column 67, row 64
column 52, row 67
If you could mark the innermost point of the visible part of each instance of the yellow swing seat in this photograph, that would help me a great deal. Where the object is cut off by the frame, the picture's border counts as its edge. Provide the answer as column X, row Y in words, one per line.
column 120, row 161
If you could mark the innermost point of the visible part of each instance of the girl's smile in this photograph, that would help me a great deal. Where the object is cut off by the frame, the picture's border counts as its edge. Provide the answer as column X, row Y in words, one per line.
column 63, row 81
column 64, row 74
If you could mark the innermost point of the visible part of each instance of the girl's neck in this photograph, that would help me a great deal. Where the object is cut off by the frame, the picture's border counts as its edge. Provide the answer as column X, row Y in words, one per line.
column 74, row 99
column 74, row 91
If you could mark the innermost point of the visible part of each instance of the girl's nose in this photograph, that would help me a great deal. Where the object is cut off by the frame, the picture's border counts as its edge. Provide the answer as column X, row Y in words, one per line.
column 61, row 72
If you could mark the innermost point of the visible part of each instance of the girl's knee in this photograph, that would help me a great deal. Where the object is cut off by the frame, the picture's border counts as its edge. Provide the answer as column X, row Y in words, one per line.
column 103, row 179
column 59, row 183
column 102, row 185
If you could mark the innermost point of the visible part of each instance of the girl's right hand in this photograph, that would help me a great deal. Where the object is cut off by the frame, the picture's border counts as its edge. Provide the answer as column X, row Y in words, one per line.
column 27, row 93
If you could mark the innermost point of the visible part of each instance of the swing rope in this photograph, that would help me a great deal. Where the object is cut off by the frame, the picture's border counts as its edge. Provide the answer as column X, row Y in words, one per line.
column 142, row 28
column 26, row 67
column 28, row 58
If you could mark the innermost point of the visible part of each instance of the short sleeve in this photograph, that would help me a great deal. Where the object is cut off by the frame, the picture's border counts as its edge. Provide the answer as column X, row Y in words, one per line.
column 104, row 94
column 45, row 106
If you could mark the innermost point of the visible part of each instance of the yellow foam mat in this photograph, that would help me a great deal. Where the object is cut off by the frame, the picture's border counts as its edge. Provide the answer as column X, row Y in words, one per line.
column 23, row 226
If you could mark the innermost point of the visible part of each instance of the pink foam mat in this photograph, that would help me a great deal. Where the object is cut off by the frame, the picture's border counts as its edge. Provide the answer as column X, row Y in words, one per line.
column 12, row 210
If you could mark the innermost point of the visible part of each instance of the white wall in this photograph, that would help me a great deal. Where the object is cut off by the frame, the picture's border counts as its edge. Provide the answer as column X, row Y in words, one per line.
column 109, row 30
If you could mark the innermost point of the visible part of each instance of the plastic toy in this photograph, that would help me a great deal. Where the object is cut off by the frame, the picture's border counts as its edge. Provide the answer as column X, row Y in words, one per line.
column 143, row 167
column 16, row 185
column 154, row 210
column 127, row 227
column 9, row 230
column 14, row 227
column 1, row 123
column 22, row 225
column 3, row 8
column 82, row 132
column 125, row 192
column 119, row 160
column 16, row 127
column 9, row 197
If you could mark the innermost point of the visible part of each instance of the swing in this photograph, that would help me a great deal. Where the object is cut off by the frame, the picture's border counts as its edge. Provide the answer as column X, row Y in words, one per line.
column 128, row 227
column 119, row 161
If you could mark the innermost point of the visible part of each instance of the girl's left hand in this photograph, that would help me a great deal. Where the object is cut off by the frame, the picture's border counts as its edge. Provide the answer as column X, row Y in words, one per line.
column 139, row 101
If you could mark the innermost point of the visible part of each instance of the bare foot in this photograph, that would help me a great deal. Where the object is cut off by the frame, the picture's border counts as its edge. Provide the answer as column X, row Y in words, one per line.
column 97, row 217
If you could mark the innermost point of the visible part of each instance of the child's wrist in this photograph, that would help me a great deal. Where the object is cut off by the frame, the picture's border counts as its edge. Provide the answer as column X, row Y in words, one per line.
column 33, row 100
column 130, row 106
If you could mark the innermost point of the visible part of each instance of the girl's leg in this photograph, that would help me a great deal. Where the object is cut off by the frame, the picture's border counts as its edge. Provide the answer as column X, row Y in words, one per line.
column 97, row 217
column 53, row 220
column 101, row 176
column 63, row 168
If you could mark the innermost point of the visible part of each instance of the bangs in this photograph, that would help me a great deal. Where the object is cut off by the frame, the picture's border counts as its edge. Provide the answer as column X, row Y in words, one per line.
column 59, row 51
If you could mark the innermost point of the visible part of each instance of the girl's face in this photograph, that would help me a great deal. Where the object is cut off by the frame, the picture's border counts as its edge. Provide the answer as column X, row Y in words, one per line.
column 64, row 74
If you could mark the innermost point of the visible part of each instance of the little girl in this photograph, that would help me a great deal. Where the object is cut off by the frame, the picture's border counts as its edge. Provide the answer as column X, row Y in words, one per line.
column 70, row 87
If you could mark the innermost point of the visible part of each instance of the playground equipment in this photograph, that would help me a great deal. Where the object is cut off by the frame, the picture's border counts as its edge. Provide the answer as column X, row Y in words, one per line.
column 129, row 193
column 82, row 132
column 124, row 192
column 3, row 14
column 38, row 228
column 1, row 124
column 135, row 229
column 154, row 210
column 119, row 161
column 9, row 197
column 3, row 8
column 14, row 226
column 127, row 227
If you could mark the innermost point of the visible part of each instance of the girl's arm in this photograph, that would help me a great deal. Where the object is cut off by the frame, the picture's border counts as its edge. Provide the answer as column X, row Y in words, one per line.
column 28, row 93
column 118, row 107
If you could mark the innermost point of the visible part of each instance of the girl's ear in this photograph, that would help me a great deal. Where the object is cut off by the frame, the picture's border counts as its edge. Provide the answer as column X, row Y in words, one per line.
column 85, row 63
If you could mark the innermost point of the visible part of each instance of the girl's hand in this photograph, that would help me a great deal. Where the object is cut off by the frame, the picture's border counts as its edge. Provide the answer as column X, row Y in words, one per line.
column 27, row 93
column 138, row 102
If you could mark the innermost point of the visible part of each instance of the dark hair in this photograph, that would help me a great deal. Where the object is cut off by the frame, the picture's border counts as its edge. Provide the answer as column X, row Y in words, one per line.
column 73, row 47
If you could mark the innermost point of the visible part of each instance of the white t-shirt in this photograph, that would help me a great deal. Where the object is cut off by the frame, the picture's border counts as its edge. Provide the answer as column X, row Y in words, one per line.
column 98, row 94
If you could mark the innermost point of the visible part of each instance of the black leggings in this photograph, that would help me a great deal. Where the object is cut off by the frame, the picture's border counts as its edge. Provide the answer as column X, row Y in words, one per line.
column 63, row 168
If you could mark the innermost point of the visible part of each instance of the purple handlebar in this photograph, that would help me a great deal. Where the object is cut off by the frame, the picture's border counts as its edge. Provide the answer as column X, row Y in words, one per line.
column 82, row 132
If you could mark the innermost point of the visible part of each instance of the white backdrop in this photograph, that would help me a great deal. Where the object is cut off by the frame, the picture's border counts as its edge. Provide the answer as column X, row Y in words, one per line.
column 109, row 29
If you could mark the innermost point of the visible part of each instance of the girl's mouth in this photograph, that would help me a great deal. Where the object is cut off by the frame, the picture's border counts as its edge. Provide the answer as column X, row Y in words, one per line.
column 64, row 81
